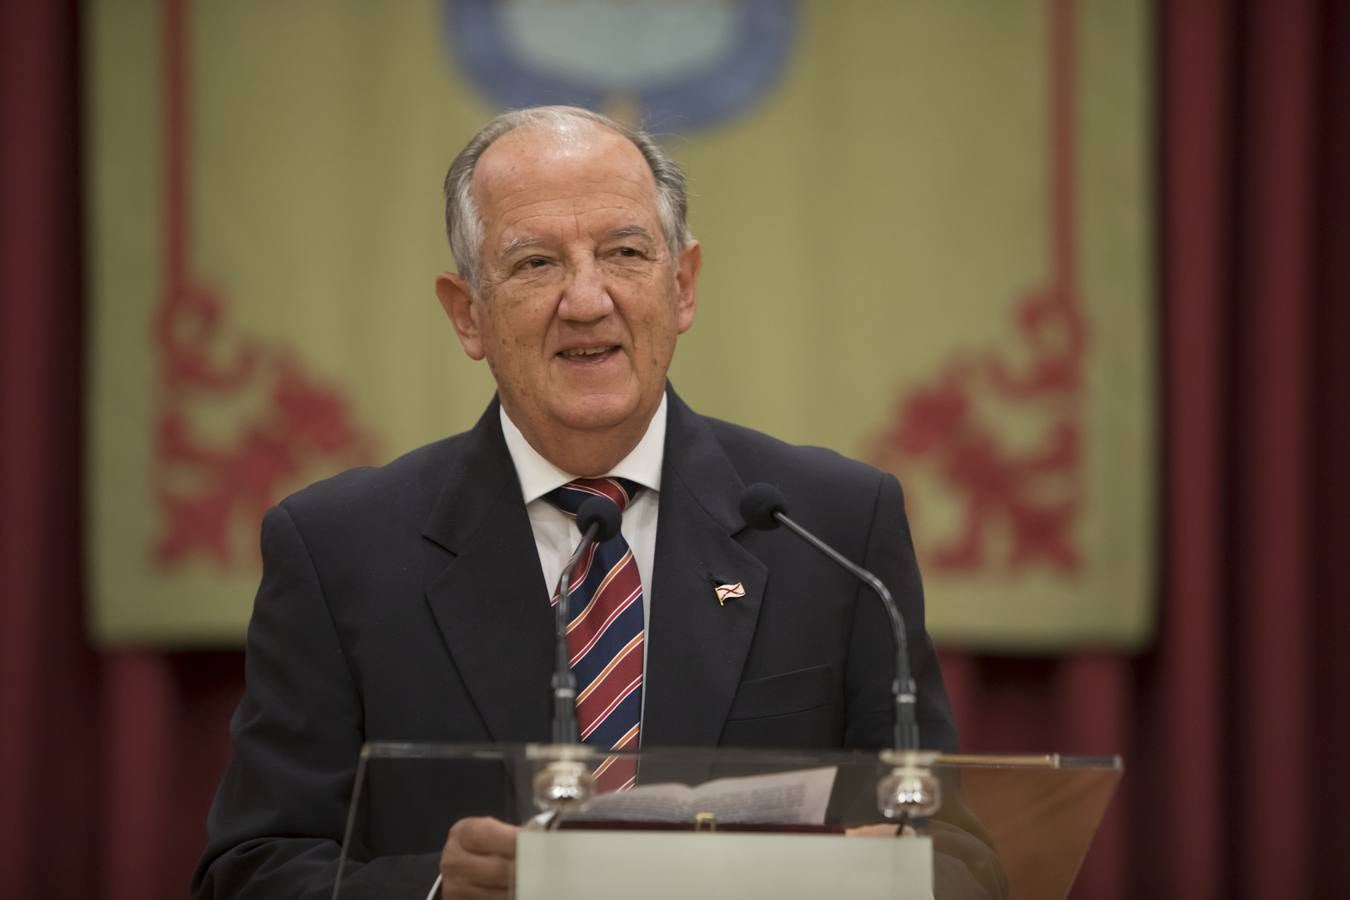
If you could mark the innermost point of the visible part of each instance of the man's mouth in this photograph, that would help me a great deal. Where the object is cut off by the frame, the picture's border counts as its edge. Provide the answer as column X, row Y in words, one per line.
column 585, row 354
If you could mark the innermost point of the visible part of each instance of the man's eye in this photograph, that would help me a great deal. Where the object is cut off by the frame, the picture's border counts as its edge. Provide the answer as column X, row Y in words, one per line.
column 628, row 252
column 533, row 262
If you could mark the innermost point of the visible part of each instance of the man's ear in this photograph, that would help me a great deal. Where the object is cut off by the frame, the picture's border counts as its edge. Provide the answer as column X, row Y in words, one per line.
column 462, row 309
column 686, row 284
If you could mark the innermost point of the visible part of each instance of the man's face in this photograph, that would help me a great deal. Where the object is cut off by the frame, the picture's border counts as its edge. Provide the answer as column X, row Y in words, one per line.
column 579, row 302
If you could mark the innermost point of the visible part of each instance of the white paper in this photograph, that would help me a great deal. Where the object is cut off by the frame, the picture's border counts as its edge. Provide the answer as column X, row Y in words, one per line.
column 784, row 798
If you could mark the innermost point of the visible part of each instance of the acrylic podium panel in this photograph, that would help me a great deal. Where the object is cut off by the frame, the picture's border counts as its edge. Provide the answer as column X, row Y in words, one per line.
column 1014, row 826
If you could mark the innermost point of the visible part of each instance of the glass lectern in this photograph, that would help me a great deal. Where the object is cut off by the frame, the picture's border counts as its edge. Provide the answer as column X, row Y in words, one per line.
column 714, row 823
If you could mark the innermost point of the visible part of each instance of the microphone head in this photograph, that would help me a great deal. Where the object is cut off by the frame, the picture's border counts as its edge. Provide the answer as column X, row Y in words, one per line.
column 600, row 511
column 759, row 503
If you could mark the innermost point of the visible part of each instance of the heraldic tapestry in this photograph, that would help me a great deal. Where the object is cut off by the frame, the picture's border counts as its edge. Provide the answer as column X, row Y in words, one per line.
column 928, row 244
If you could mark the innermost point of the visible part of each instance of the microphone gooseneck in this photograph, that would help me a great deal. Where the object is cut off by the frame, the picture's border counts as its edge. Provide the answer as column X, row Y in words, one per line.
column 599, row 519
column 763, row 507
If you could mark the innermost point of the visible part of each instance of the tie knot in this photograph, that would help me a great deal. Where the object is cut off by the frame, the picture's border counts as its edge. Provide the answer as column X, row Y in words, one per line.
column 570, row 496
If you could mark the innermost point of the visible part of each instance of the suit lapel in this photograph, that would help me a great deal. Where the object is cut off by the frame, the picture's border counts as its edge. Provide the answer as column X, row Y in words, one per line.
column 698, row 647
column 489, row 600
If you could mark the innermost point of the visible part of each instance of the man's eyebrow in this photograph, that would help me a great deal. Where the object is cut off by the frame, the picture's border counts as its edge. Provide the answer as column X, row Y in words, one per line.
column 530, row 243
column 628, row 231
column 521, row 243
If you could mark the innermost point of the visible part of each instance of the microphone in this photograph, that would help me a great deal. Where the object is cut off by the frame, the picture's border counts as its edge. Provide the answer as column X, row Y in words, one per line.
column 763, row 507
column 599, row 519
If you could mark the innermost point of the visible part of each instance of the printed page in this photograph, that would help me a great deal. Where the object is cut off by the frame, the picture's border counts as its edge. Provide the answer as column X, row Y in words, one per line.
column 785, row 798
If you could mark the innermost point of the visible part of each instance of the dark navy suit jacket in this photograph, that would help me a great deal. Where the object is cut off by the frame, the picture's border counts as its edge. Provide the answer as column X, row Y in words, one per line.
column 407, row 603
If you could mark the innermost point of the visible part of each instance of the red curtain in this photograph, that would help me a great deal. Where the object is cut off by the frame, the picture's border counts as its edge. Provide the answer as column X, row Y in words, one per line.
column 1235, row 754
column 107, row 760
column 1235, row 783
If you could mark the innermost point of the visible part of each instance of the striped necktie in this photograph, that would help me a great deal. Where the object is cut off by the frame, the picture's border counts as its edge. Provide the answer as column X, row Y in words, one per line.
column 604, row 635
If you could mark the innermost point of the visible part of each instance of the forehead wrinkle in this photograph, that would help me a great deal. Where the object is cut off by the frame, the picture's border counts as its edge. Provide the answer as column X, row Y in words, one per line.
column 513, row 183
column 579, row 213
column 590, row 193
column 525, row 180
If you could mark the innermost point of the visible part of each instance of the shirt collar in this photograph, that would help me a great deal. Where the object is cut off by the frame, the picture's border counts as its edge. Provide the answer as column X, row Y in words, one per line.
column 538, row 476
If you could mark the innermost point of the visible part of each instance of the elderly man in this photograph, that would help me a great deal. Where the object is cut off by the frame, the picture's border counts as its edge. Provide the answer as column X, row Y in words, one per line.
column 411, row 602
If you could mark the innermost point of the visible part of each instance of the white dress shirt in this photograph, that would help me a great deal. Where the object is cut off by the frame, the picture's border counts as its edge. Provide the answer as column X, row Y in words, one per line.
column 556, row 535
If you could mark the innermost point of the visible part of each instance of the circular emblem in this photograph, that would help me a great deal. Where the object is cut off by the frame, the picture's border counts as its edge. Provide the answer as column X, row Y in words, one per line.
column 669, row 66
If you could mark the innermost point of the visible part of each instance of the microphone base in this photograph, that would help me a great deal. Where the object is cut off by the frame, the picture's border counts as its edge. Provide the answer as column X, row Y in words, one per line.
column 564, row 783
column 910, row 790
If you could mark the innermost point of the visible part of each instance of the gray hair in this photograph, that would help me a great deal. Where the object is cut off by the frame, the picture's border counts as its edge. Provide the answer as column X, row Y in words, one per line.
column 463, row 225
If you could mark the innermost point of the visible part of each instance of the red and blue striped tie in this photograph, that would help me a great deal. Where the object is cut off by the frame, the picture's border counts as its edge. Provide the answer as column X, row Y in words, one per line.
column 604, row 635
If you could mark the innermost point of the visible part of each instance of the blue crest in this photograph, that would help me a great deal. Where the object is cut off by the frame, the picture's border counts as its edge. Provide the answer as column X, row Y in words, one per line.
column 676, row 66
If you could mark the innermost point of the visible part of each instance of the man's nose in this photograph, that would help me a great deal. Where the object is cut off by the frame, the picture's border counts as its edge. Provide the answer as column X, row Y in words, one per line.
column 585, row 297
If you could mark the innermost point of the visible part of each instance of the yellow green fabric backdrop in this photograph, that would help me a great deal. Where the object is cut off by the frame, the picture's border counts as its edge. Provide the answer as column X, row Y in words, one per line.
column 927, row 237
